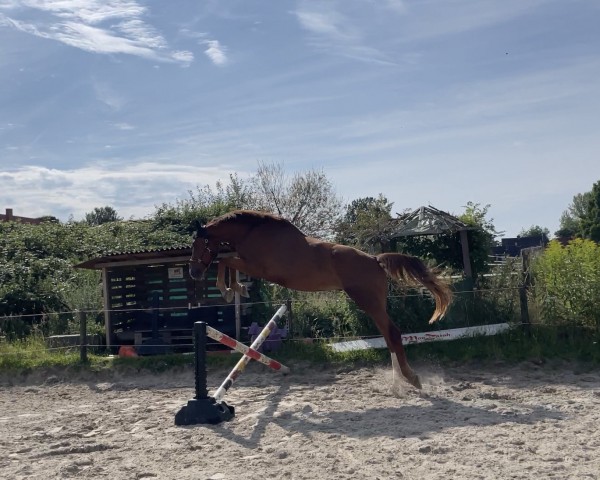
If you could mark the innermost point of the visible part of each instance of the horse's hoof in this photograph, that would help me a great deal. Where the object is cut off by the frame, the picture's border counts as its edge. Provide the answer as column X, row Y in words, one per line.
column 416, row 382
column 229, row 295
column 244, row 291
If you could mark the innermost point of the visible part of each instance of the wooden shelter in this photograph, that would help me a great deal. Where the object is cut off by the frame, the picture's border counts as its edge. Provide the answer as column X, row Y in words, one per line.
column 431, row 221
column 149, row 293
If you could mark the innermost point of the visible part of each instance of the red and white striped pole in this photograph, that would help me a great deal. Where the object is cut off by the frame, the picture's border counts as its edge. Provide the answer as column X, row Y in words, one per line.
column 246, row 350
column 239, row 367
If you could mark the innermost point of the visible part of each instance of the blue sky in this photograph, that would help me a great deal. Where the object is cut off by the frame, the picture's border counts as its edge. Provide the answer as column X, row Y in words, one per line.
column 442, row 102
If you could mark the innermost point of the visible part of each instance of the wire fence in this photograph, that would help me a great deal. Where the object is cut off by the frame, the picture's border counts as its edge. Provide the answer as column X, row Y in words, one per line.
column 512, row 298
column 93, row 310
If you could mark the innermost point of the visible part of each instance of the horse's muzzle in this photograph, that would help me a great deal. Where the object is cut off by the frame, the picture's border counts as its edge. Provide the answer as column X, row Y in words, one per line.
column 197, row 271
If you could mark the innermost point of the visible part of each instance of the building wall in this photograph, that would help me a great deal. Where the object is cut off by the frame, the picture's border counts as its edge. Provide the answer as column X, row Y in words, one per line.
column 131, row 291
column 10, row 217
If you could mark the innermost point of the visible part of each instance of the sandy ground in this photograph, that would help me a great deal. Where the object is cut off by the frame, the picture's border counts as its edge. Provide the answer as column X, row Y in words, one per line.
column 491, row 422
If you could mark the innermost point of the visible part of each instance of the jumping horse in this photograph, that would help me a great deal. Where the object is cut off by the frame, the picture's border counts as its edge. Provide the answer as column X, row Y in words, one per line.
column 269, row 247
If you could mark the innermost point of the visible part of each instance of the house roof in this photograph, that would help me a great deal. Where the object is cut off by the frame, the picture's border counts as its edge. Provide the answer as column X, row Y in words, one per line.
column 427, row 221
column 138, row 257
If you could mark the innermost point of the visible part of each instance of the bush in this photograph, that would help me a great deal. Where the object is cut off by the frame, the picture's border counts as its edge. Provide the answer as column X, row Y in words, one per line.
column 315, row 315
column 567, row 283
column 37, row 279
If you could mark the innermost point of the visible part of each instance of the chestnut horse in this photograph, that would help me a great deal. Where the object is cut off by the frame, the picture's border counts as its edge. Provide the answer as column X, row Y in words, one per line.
column 269, row 247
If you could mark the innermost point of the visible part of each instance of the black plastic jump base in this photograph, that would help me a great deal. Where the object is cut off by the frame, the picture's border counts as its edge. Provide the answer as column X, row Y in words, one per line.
column 205, row 409
column 202, row 408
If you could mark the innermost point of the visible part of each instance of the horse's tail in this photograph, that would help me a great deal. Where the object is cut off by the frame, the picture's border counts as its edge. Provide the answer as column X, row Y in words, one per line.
column 412, row 270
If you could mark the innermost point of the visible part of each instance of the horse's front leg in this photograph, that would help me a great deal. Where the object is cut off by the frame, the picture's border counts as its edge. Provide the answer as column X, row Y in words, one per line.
column 235, row 265
column 236, row 285
column 226, row 292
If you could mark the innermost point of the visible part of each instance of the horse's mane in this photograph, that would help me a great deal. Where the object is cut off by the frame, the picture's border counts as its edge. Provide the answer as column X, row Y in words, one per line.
column 250, row 218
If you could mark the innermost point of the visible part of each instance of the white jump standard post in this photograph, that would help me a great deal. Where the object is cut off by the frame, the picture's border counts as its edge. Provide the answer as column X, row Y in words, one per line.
column 241, row 365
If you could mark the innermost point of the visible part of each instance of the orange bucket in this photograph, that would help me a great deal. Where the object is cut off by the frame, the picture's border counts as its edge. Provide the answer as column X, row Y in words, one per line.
column 127, row 351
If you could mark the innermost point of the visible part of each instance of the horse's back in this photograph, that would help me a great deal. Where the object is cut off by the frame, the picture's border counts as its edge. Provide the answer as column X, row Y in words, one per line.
column 277, row 250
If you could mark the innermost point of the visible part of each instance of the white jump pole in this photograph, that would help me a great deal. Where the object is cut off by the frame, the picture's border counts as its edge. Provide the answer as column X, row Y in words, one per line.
column 246, row 350
column 239, row 367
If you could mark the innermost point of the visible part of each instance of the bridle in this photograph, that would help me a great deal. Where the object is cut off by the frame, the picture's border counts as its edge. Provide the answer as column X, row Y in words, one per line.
column 202, row 260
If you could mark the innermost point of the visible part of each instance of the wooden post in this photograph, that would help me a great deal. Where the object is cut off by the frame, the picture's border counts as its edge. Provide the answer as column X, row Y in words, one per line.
column 238, row 310
column 464, row 243
column 526, row 283
column 83, row 342
column 290, row 317
column 107, row 312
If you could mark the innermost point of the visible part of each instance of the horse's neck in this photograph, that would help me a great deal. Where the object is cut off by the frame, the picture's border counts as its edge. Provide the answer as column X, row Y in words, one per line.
column 229, row 232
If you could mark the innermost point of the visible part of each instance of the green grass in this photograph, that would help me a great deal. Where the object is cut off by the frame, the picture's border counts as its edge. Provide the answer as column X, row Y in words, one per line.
column 32, row 353
column 515, row 345
column 540, row 343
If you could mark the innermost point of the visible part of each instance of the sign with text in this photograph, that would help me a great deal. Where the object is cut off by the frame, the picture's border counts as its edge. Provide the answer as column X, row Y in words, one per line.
column 435, row 336
column 176, row 272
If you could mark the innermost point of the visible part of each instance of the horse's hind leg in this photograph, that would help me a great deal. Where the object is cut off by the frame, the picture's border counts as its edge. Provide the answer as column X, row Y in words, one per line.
column 374, row 305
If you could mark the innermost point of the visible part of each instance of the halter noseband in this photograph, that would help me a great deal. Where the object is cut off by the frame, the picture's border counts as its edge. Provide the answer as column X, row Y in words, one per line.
column 211, row 256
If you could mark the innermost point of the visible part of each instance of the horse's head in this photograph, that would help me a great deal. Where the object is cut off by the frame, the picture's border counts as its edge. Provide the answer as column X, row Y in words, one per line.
column 203, row 252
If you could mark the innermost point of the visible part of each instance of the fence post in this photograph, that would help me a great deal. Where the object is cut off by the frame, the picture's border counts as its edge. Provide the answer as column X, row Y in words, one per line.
column 526, row 283
column 83, row 342
column 290, row 317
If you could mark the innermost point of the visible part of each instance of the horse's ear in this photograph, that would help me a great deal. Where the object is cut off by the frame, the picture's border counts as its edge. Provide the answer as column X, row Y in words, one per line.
column 200, row 230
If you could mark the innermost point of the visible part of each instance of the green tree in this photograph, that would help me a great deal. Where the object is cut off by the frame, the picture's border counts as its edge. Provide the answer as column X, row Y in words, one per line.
column 36, row 265
column 307, row 199
column 535, row 231
column 101, row 215
column 366, row 224
column 590, row 221
column 203, row 204
column 570, row 220
column 482, row 237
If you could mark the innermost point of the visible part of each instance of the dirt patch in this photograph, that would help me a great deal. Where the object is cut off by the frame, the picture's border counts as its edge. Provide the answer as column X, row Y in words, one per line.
column 489, row 422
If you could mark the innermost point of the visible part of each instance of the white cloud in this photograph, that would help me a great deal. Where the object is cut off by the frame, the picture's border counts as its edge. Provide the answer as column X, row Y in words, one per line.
column 123, row 126
column 106, row 95
column 371, row 30
column 133, row 189
column 143, row 33
column 184, row 56
column 427, row 20
column 398, row 6
column 90, row 25
column 87, row 11
column 334, row 32
column 216, row 52
column 330, row 23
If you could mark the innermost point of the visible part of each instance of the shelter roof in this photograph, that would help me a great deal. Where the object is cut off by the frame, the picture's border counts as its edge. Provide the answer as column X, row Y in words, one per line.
column 427, row 221
column 138, row 257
